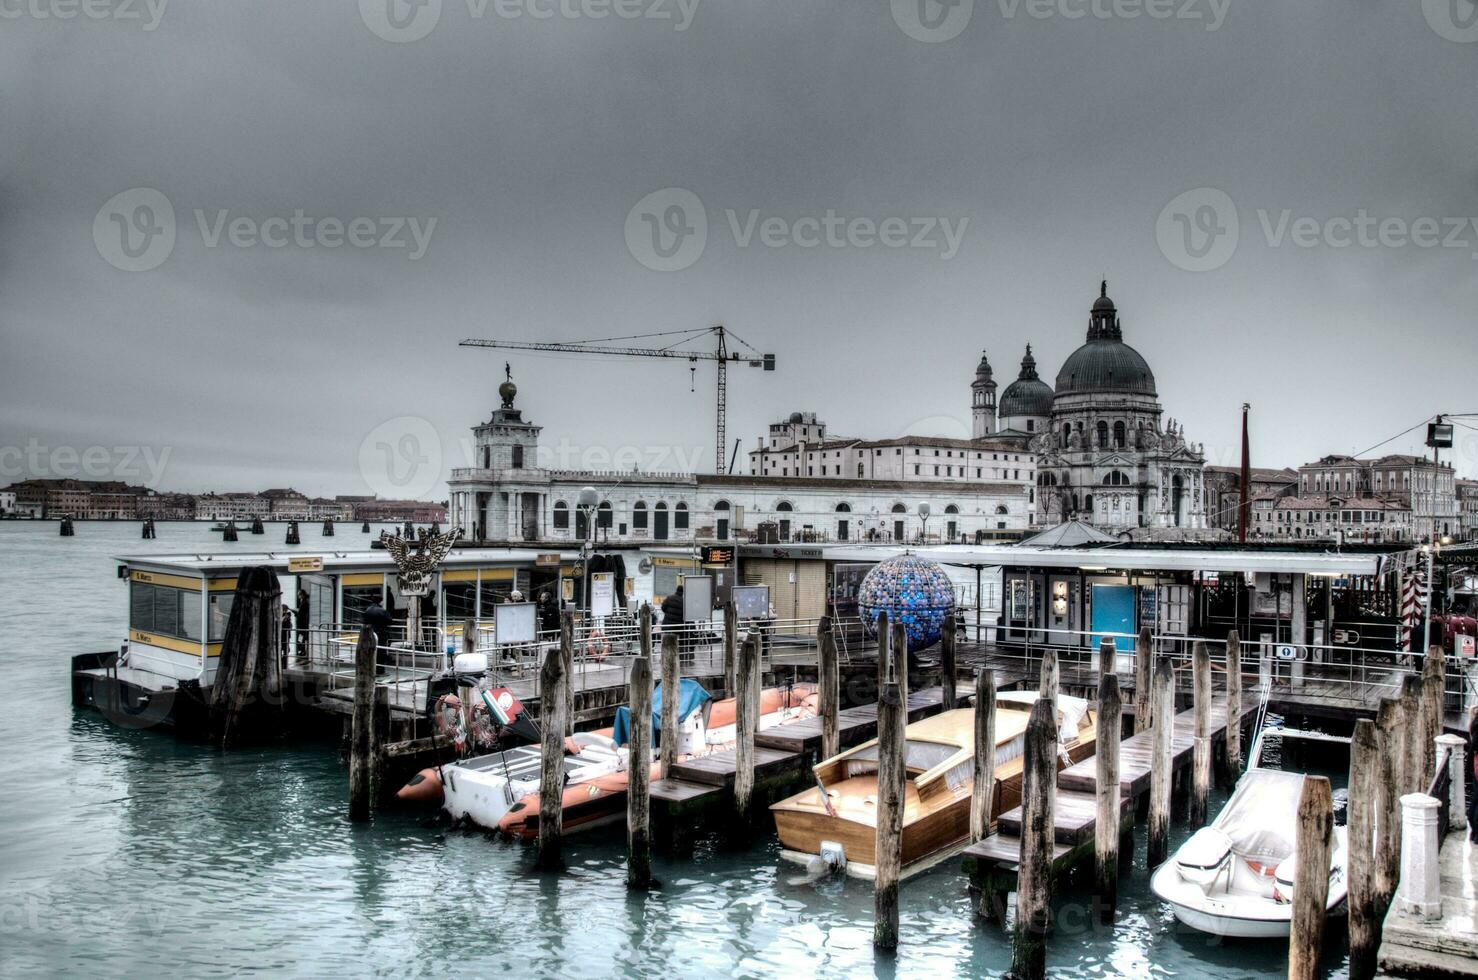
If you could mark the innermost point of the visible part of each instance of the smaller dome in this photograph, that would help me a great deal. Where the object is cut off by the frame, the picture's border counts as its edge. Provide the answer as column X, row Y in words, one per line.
column 1103, row 304
column 1028, row 395
column 796, row 418
column 983, row 370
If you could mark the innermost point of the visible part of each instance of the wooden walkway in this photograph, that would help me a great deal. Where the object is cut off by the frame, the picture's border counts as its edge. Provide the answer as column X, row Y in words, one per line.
column 782, row 754
column 1075, row 818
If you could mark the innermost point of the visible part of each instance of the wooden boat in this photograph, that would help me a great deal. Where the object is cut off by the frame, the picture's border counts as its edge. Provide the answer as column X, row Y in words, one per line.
column 940, row 770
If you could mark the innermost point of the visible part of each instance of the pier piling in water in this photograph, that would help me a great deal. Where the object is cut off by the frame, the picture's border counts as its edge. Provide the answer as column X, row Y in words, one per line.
column 1362, row 821
column 230, row 533
column 256, row 526
column 364, row 528
column 1413, row 751
column 247, row 693
column 1234, row 705
column 885, row 655
column 731, row 650
column 1311, row 884
column 1051, row 677
column 1108, row 656
column 1162, row 761
column 328, row 529
column 1387, row 804
column 892, row 783
column 148, row 532
column 1109, row 809
column 746, row 718
column 1144, row 664
column 828, row 687
column 947, row 663
column 671, row 684
column 1201, row 751
column 1034, row 874
column 292, row 534
column 361, row 731
column 553, row 682
column 899, row 650
column 1434, row 669
column 983, row 792
column 639, row 763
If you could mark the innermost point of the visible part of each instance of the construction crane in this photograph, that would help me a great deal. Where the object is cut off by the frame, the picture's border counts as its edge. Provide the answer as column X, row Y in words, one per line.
column 720, row 355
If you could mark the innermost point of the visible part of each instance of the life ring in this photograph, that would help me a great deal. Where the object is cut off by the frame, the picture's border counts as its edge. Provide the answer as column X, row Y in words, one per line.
column 597, row 646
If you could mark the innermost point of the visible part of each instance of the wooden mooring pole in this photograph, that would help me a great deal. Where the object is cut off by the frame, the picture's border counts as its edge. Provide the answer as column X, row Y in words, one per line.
column 1434, row 669
column 1051, row 678
column 1365, row 765
column 983, row 791
column 888, row 845
column 567, row 667
column 899, row 650
column 553, row 686
column 829, row 687
column 671, row 693
column 1413, row 752
column 731, row 650
column 885, row 656
column 1234, row 705
column 746, row 718
column 947, row 663
column 1110, row 806
column 1108, row 656
column 1034, row 869
column 1387, row 803
column 1311, row 884
column 1144, row 664
column 1162, row 761
column 1201, row 751
column 361, row 731
column 639, row 764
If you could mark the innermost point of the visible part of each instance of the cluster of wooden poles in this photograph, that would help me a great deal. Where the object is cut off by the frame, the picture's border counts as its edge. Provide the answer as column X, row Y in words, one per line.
column 1392, row 755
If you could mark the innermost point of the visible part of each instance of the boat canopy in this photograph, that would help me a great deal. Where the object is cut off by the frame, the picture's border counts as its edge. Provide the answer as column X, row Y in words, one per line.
column 691, row 697
column 1261, row 818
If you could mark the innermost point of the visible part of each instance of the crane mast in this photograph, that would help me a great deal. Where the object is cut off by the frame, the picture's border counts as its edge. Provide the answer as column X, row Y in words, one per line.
column 720, row 355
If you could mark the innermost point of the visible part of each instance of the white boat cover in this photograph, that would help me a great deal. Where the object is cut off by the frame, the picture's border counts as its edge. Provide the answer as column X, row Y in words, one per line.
column 1261, row 818
column 1206, row 850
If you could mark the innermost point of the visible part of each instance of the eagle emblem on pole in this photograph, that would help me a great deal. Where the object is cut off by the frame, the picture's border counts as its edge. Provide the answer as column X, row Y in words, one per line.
column 415, row 561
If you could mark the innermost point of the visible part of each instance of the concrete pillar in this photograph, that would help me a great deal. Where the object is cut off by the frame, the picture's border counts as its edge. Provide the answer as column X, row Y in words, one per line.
column 1419, row 893
column 1457, row 811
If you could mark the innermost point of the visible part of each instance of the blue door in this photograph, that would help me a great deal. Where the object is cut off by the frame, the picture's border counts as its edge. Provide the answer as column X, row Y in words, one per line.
column 1113, row 612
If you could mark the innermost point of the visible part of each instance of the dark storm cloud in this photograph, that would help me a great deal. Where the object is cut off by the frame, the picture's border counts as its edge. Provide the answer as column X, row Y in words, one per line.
column 1051, row 144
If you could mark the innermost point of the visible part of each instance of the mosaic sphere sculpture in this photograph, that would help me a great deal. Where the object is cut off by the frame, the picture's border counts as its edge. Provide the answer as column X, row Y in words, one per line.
column 911, row 590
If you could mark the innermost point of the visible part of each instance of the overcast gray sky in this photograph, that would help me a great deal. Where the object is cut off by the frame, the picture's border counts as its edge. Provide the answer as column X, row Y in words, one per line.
column 1056, row 148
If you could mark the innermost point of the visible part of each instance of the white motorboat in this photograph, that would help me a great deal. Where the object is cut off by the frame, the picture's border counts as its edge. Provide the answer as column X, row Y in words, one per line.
column 1235, row 878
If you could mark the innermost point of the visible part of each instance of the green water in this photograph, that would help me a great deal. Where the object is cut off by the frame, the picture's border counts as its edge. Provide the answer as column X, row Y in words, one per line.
column 125, row 853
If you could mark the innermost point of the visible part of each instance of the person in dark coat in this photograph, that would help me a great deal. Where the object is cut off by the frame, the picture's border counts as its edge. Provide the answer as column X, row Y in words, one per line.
column 548, row 612
column 672, row 609
column 302, row 619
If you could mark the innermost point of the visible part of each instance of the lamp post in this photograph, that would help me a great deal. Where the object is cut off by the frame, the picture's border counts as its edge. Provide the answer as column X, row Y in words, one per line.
column 587, row 502
column 924, row 511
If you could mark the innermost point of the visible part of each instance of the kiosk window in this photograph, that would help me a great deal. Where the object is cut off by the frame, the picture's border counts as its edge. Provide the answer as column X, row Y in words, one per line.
column 165, row 610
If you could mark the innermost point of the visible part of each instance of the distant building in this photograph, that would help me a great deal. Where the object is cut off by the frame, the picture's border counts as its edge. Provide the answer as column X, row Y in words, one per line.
column 98, row 500
column 323, row 509
column 232, row 507
column 1467, row 499
column 1223, row 491
column 7, row 503
column 806, row 487
column 396, row 511
column 1429, row 492
column 1343, row 520
column 166, row 507
column 286, row 504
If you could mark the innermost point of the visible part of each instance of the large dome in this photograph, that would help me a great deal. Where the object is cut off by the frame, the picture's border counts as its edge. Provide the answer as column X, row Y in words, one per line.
column 1105, row 365
column 1028, row 394
column 1105, row 362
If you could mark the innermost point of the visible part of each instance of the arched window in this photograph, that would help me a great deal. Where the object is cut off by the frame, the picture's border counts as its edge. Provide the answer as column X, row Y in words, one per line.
column 900, row 509
column 952, row 509
column 721, row 520
column 1067, row 432
column 1121, row 435
column 721, row 505
column 604, row 516
column 844, row 508
column 1103, row 435
column 1002, row 509
column 1116, row 479
column 561, row 515
column 1088, row 503
column 639, row 515
column 784, row 507
column 679, row 516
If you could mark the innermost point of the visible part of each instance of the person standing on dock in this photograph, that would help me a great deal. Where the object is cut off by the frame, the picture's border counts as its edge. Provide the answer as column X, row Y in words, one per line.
column 672, row 615
column 302, row 617
column 548, row 612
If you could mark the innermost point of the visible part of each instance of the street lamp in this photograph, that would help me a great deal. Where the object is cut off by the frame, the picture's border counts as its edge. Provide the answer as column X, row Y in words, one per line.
column 587, row 502
column 924, row 510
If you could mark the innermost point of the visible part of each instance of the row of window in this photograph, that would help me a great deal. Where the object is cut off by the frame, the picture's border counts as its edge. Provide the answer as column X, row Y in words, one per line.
column 168, row 611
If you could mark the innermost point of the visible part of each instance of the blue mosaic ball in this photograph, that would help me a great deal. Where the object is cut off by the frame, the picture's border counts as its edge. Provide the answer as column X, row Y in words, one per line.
column 913, row 591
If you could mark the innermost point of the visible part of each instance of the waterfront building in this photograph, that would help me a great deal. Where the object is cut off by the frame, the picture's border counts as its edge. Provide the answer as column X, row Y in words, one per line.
column 1425, row 489
column 166, row 506
column 1224, row 490
column 397, row 511
column 286, row 504
column 232, row 507
column 1467, row 502
column 323, row 509
column 842, row 490
column 1330, row 517
column 1106, row 457
column 7, row 503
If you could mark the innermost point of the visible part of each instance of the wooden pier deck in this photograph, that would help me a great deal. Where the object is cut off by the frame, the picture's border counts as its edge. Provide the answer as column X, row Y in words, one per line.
column 992, row 862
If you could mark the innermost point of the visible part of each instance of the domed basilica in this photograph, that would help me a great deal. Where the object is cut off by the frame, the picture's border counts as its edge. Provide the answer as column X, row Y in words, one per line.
column 1103, row 454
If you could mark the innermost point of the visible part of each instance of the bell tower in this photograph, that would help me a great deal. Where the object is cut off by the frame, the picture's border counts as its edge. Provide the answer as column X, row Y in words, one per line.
column 983, row 401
